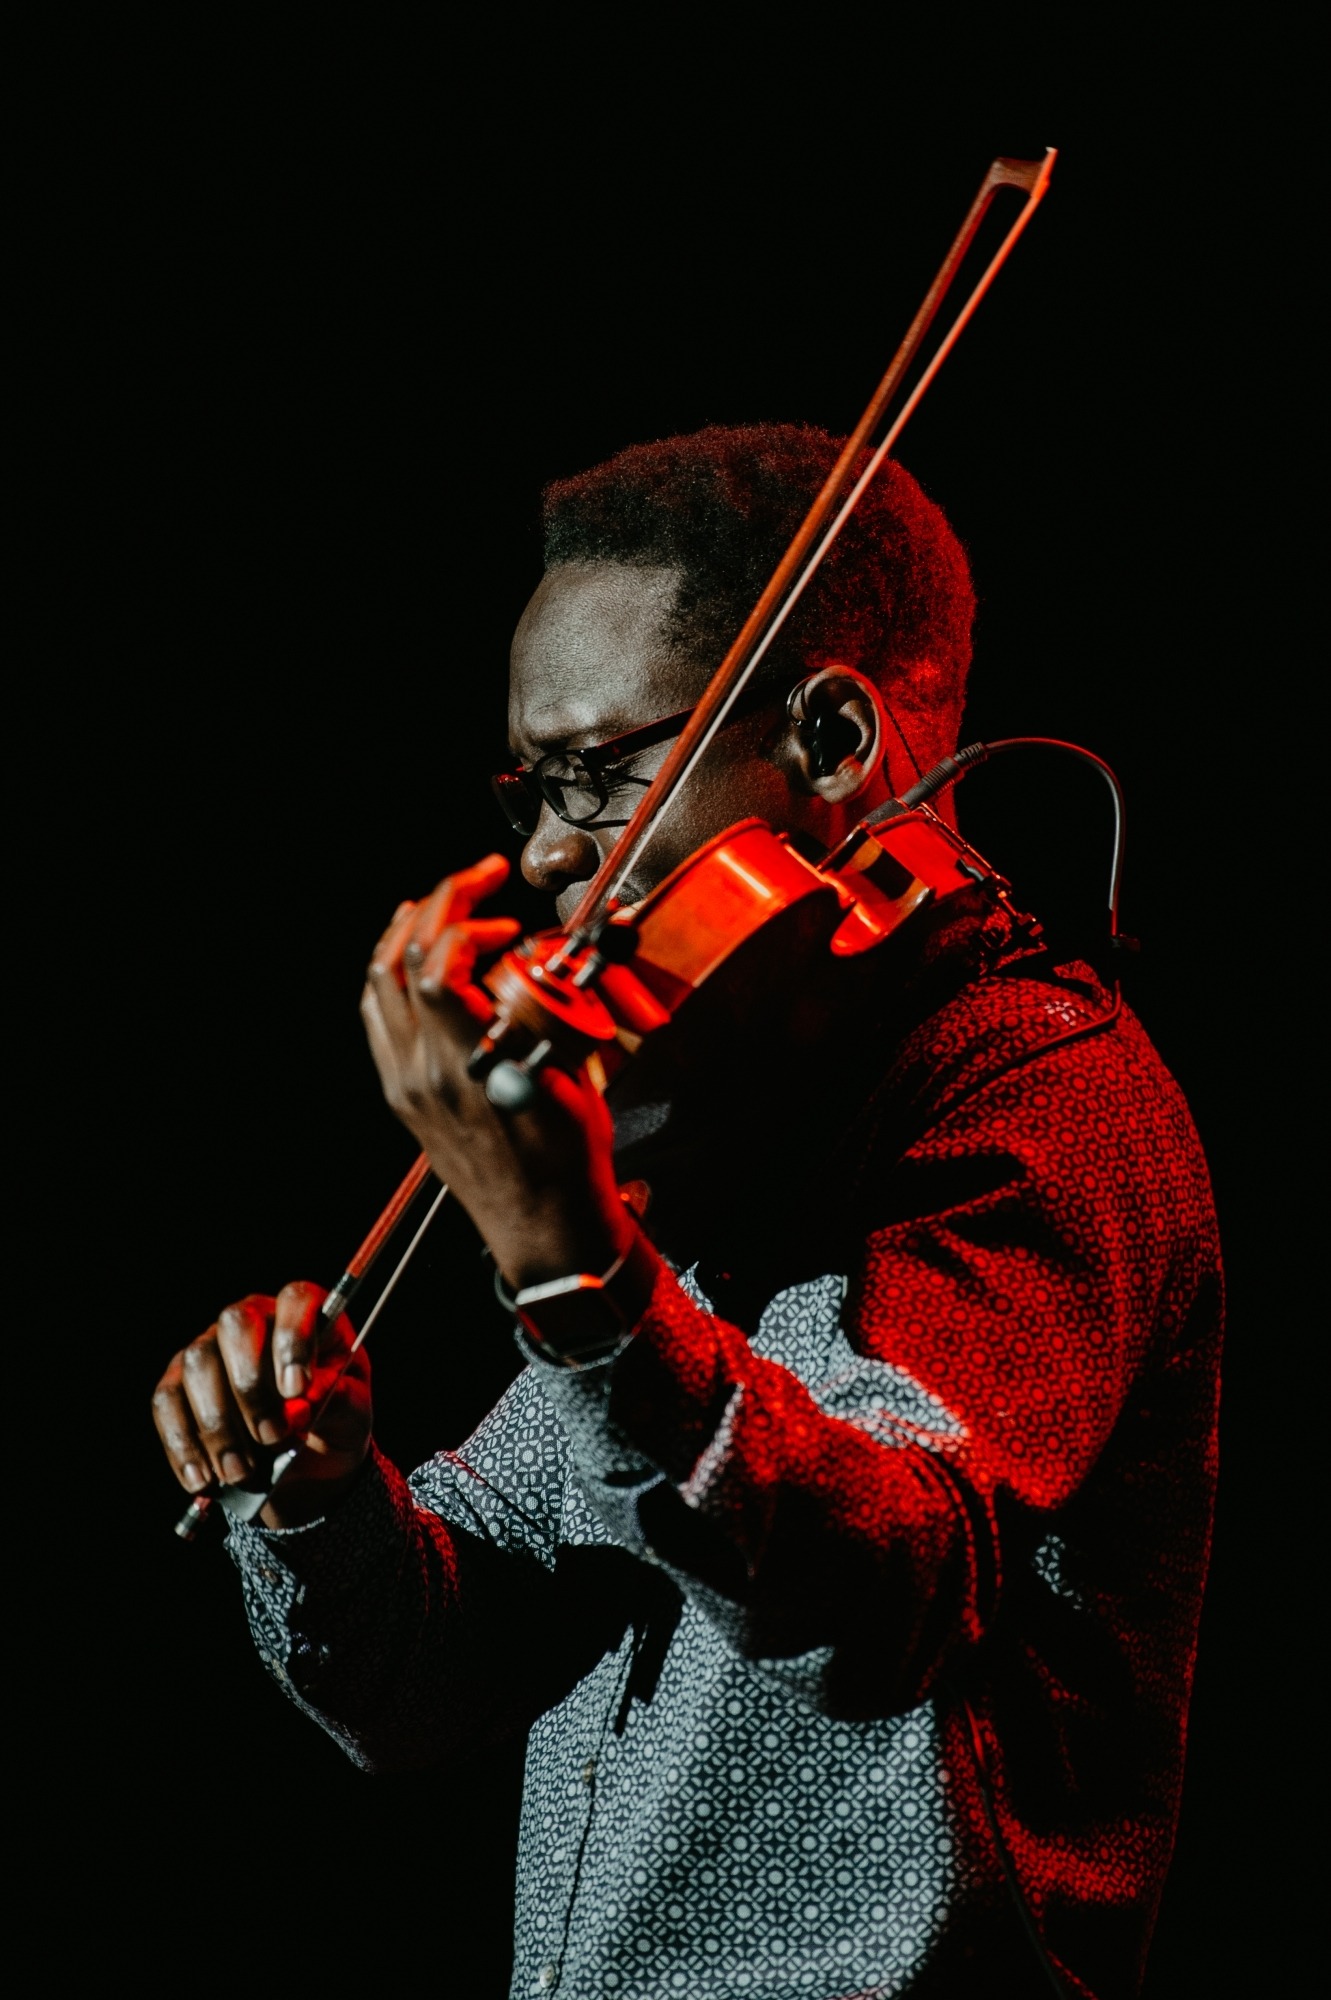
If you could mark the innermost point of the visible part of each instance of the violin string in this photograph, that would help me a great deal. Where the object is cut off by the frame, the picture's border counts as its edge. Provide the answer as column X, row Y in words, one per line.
column 651, row 827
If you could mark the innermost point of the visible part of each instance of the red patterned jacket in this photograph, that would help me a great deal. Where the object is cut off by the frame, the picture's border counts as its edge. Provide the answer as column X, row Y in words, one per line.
column 897, row 1527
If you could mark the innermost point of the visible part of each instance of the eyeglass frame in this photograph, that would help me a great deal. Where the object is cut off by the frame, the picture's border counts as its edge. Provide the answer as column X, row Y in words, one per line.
column 525, row 782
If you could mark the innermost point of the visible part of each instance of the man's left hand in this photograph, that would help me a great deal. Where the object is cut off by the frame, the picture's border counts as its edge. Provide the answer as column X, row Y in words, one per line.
column 539, row 1184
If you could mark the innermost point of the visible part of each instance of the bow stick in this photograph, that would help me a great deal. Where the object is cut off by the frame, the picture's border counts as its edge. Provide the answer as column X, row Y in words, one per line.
column 820, row 528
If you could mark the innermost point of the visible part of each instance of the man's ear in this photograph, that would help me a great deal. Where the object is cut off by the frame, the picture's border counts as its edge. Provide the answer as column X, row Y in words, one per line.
column 838, row 734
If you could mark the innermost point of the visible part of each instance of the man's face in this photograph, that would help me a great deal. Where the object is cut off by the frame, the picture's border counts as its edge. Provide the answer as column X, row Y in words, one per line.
column 590, row 662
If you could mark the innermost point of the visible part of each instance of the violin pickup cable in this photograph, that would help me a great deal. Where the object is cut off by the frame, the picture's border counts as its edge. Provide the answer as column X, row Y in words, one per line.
column 948, row 770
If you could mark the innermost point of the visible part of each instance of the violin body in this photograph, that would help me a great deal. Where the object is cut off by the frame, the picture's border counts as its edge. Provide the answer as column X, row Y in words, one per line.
column 745, row 926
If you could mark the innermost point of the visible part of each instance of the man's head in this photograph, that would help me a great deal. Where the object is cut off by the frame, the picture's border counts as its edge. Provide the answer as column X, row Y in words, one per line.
column 654, row 560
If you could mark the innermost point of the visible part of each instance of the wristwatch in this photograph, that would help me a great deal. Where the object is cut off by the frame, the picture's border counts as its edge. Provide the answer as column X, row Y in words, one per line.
column 575, row 1321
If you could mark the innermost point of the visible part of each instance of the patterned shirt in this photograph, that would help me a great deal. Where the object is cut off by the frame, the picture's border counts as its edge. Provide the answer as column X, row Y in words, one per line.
column 850, row 1610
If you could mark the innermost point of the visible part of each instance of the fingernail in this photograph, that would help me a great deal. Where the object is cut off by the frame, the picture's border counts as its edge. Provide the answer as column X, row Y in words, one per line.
column 234, row 1467
column 268, row 1431
column 193, row 1477
column 295, row 1381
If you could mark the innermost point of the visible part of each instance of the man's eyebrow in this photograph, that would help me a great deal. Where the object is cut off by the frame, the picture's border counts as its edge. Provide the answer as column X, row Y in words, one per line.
column 603, row 733
column 538, row 745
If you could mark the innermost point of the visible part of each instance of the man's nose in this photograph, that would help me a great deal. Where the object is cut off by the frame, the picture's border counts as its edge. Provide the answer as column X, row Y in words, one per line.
column 559, row 855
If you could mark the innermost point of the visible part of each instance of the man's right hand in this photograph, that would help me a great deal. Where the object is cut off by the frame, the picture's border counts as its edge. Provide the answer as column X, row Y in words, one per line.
column 254, row 1379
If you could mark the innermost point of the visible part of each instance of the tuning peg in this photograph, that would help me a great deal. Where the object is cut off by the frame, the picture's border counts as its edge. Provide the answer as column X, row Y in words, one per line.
column 511, row 1086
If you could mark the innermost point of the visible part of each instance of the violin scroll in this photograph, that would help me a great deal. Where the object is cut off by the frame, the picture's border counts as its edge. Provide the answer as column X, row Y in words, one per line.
column 560, row 999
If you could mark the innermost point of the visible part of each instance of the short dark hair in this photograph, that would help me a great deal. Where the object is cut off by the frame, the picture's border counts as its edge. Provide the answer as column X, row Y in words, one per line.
column 893, row 597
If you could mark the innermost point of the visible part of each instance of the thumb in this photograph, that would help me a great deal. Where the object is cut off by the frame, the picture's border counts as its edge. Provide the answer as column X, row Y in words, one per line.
column 335, row 1415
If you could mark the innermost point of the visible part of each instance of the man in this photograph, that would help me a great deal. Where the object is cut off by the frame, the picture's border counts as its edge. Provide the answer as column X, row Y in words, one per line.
column 847, row 1582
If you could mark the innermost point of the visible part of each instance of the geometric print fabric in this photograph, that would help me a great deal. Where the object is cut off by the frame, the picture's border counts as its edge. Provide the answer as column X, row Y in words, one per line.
column 1032, row 1365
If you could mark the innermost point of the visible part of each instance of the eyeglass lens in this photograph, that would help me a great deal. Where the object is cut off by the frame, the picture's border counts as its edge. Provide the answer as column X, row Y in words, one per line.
column 574, row 792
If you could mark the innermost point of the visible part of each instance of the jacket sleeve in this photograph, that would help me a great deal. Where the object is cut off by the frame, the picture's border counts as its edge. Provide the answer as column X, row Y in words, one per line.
column 849, row 1529
column 431, row 1614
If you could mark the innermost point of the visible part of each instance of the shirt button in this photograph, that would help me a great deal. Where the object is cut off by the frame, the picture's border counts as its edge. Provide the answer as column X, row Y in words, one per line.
column 589, row 1771
column 547, row 1977
column 269, row 1574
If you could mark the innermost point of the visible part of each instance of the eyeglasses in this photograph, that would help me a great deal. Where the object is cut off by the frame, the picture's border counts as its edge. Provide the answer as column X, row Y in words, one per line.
column 579, row 784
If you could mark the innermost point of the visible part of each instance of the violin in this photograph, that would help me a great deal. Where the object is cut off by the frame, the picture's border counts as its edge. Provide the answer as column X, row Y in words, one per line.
column 623, row 980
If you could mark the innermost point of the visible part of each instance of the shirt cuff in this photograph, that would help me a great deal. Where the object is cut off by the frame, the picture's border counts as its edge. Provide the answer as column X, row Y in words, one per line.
column 654, row 1407
column 342, row 1550
column 671, row 1386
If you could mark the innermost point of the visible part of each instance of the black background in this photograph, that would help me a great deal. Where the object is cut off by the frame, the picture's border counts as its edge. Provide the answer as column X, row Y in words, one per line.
column 314, row 330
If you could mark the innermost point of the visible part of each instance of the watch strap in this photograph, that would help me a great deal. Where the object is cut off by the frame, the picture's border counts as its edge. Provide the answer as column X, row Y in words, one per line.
column 575, row 1321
